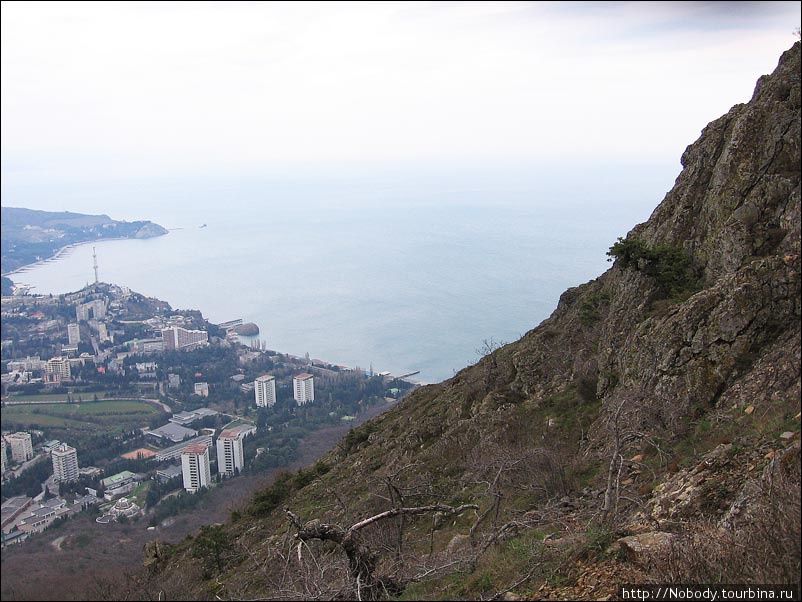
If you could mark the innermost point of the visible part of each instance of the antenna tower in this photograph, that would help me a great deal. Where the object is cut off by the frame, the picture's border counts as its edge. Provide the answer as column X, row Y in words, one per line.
column 94, row 256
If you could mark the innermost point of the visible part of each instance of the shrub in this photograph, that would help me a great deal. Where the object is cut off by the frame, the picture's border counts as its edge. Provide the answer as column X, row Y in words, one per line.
column 271, row 498
column 590, row 310
column 670, row 267
column 211, row 547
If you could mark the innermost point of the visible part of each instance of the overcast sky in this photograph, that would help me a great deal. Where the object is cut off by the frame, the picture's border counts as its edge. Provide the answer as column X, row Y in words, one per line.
column 154, row 88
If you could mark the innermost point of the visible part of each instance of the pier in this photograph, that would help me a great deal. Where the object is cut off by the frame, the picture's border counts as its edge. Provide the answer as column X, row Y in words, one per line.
column 230, row 323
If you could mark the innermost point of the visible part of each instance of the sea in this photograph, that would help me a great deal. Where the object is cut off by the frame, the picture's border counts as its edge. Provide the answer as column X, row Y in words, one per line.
column 406, row 271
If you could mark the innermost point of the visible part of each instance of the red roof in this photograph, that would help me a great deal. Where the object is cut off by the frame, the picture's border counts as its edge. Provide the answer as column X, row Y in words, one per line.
column 195, row 448
column 303, row 376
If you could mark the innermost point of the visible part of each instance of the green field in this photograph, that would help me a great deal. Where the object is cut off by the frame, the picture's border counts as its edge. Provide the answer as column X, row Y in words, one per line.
column 56, row 396
column 88, row 416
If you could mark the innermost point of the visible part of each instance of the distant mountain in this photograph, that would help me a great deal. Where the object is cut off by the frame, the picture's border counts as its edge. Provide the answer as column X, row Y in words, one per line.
column 29, row 235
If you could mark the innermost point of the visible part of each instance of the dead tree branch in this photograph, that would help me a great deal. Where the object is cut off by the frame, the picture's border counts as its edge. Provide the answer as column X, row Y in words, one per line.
column 362, row 560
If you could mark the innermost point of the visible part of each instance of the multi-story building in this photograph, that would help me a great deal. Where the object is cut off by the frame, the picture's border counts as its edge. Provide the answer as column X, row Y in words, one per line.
column 120, row 484
column 303, row 387
column 177, row 338
column 26, row 365
column 202, row 389
column 173, row 381
column 3, row 455
column 174, row 451
column 39, row 519
column 59, row 365
column 93, row 310
column 146, row 369
column 65, row 464
column 21, row 447
column 195, row 467
column 69, row 350
column 230, row 454
column 73, row 334
column 265, row 390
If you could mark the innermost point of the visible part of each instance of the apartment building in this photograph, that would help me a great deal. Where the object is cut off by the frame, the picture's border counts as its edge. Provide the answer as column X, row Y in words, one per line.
column 73, row 334
column 21, row 446
column 65, row 464
column 230, row 454
column 303, row 387
column 195, row 467
column 265, row 391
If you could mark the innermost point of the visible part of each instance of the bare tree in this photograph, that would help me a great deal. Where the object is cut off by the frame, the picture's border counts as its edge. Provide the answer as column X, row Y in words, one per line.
column 363, row 560
column 623, row 427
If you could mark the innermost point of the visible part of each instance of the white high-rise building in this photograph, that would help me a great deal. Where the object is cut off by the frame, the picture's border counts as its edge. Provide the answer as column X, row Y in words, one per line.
column 195, row 467
column 303, row 387
column 73, row 334
column 65, row 464
column 230, row 455
column 3, row 455
column 21, row 447
column 265, row 391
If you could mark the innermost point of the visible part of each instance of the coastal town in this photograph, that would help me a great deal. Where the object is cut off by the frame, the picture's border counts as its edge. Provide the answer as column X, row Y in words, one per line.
column 116, row 405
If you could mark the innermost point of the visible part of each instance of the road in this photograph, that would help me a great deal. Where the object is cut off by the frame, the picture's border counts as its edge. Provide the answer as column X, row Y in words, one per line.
column 26, row 465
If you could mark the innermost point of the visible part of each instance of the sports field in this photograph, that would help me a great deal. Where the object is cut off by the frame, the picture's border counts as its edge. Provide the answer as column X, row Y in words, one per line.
column 87, row 416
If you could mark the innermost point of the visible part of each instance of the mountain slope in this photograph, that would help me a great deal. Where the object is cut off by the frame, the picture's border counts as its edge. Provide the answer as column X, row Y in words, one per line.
column 29, row 235
column 658, row 404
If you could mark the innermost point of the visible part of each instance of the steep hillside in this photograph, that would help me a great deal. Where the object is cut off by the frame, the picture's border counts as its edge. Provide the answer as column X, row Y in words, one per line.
column 637, row 434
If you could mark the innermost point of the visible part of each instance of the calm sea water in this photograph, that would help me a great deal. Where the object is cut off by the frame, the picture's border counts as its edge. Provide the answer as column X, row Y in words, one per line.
column 407, row 272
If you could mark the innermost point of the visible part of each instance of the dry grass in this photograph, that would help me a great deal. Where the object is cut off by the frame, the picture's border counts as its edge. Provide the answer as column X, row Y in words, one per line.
column 764, row 547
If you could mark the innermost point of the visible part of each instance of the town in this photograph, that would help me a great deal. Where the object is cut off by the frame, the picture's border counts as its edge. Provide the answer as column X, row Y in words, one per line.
column 117, row 405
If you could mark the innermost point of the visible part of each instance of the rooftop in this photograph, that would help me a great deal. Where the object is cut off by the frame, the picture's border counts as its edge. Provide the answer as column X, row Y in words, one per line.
column 195, row 448
column 235, row 432
column 118, row 478
column 170, row 471
column 172, row 431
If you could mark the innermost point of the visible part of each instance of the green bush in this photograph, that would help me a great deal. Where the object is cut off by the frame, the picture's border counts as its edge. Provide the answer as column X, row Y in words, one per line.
column 671, row 268
column 212, row 547
column 590, row 310
column 271, row 498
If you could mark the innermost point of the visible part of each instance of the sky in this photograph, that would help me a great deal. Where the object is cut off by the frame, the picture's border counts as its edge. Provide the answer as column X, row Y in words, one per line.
column 107, row 89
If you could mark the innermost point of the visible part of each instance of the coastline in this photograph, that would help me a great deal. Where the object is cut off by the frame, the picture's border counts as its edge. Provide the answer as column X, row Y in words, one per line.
column 62, row 251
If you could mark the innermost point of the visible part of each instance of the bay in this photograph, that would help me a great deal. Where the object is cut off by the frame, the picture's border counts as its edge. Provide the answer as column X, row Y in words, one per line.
column 405, row 272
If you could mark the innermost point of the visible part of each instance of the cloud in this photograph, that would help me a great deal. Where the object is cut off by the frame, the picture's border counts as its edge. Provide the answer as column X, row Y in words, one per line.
column 160, row 86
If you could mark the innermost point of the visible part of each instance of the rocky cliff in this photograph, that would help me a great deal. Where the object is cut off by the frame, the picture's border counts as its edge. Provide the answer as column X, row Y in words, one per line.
column 639, row 433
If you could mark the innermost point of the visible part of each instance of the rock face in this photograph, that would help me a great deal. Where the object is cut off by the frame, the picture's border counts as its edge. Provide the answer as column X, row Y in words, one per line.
column 635, row 390
column 248, row 329
column 150, row 230
column 641, row 548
